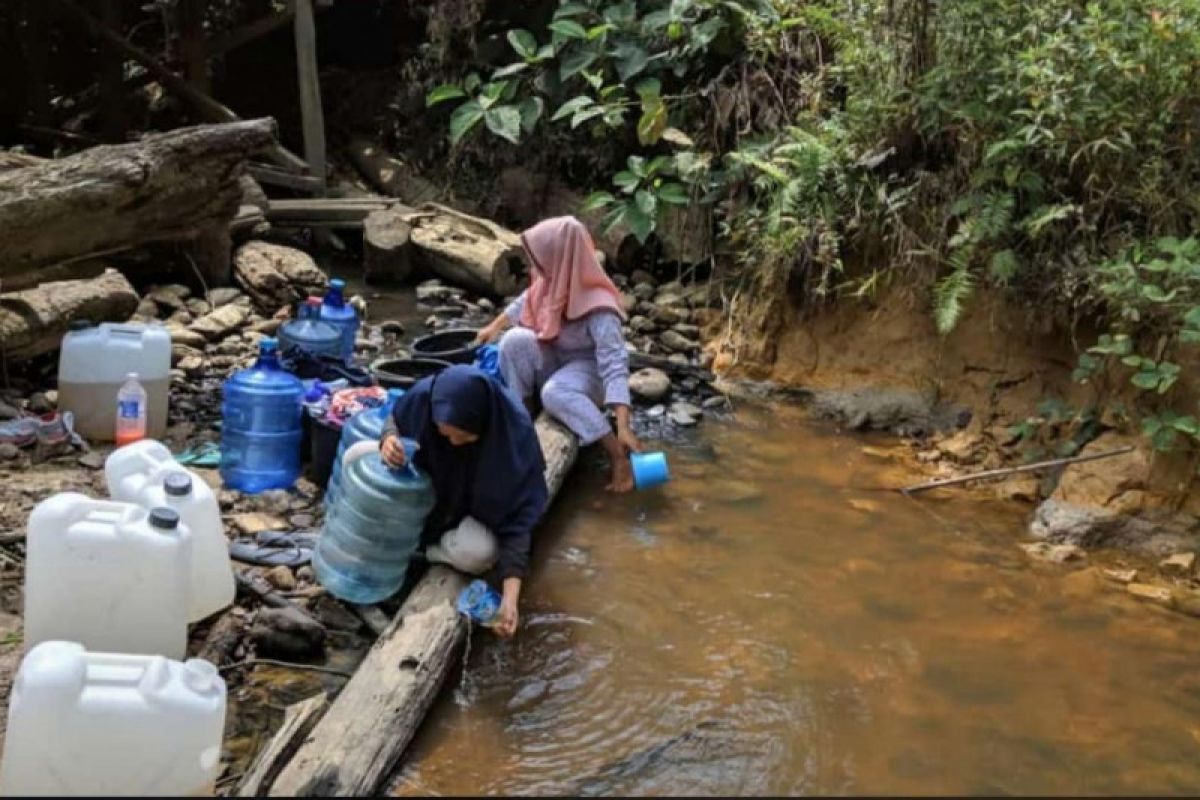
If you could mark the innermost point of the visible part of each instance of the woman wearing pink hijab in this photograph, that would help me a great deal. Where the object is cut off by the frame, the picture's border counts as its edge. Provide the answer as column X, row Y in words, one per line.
column 567, row 342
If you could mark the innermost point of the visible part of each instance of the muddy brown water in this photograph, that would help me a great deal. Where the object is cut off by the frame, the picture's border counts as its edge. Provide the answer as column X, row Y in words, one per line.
column 769, row 622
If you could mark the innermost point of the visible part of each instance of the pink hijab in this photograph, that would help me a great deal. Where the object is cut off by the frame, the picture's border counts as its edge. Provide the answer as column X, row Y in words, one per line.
column 568, row 282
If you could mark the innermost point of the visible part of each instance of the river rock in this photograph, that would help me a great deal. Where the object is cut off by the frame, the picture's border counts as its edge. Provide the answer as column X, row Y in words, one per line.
column 287, row 633
column 963, row 447
column 391, row 327
column 1121, row 576
column 1115, row 484
column 1089, row 528
column 186, row 336
column 192, row 366
column 644, row 292
column 281, row 578
column 39, row 404
column 254, row 522
column 8, row 411
column 716, row 402
column 1147, row 591
column 434, row 291
column 217, row 324
column 901, row 412
column 640, row 277
column 274, row 275
column 171, row 297
column 223, row 296
column 650, row 385
column 665, row 315
column 675, row 341
column 147, row 310
column 629, row 302
column 1181, row 564
column 641, row 324
column 1053, row 553
column 685, row 415
column 9, row 451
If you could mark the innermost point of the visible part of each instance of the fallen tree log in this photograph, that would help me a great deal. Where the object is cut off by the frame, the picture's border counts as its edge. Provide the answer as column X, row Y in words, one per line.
column 168, row 186
column 353, row 750
column 33, row 321
column 298, row 720
column 471, row 252
column 389, row 174
column 387, row 247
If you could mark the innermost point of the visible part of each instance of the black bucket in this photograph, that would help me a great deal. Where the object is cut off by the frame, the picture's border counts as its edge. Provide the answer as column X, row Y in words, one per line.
column 324, row 442
column 402, row 373
column 455, row 346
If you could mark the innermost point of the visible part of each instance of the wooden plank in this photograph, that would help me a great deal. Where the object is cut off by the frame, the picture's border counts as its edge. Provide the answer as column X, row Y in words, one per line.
column 298, row 720
column 207, row 106
column 220, row 45
column 312, row 115
column 353, row 750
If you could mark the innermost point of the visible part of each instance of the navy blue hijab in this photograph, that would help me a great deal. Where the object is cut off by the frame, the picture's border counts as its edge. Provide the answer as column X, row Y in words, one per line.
column 499, row 479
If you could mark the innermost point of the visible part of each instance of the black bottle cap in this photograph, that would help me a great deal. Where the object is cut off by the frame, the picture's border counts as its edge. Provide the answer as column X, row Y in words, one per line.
column 178, row 484
column 164, row 519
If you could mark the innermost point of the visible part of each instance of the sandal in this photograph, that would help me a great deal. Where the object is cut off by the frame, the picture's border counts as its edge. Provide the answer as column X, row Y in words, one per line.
column 249, row 551
column 205, row 454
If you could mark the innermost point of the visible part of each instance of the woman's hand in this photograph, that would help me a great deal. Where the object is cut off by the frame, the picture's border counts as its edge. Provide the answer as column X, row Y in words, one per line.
column 507, row 617
column 625, row 436
column 492, row 331
column 392, row 451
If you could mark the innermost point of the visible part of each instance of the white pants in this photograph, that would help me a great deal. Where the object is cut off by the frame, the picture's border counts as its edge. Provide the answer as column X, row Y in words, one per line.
column 469, row 548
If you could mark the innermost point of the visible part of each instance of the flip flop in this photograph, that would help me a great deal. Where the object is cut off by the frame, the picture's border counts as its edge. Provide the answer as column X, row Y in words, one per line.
column 206, row 454
column 303, row 539
column 251, row 552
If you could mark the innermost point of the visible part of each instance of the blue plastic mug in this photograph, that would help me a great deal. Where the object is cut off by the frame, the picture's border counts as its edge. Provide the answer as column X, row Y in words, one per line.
column 649, row 469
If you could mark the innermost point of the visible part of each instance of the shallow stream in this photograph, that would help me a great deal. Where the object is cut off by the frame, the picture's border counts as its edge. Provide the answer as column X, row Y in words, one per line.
column 773, row 622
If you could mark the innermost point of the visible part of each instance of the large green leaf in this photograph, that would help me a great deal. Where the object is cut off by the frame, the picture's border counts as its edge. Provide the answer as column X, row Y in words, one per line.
column 632, row 61
column 570, row 10
column 575, row 62
column 646, row 202
column 505, row 122
column 704, row 33
column 597, row 200
column 524, row 42
column 571, row 106
column 510, row 70
column 584, row 114
column 640, row 223
column 447, row 91
column 650, row 87
column 626, row 181
column 532, row 109
column 653, row 121
column 464, row 118
column 568, row 29
column 673, row 193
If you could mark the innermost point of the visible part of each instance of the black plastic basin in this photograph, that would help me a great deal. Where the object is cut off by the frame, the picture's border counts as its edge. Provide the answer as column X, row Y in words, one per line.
column 452, row 345
column 402, row 373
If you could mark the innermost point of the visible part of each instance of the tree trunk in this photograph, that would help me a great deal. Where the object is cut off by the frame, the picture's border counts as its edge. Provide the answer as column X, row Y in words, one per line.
column 169, row 186
column 471, row 252
column 390, row 175
column 387, row 249
column 34, row 321
column 353, row 750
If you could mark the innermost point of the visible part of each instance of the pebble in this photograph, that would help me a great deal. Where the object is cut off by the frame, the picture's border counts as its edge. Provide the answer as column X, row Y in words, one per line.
column 223, row 296
column 640, row 324
column 719, row 401
column 301, row 521
column 1053, row 553
column 281, row 578
column 678, row 358
column 685, row 415
column 306, row 575
column 640, row 277
column 392, row 327
column 9, row 451
column 485, row 304
column 665, row 315
column 287, row 633
column 8, row 411
column 643, row 292
column 1121, row 575
column 253, row 522
column 1146, row 591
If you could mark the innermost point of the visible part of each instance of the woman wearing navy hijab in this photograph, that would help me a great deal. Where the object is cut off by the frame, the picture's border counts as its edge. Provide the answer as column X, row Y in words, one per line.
column 479, row 447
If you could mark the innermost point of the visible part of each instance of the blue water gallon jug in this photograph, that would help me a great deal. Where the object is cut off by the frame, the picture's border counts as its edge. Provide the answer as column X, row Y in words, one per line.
column 337, row 312
column 260, row 429
column 363, row 426
column 374, row 528
column 309, row 333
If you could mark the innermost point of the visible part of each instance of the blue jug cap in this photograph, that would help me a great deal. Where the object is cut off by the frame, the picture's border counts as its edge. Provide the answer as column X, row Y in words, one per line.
column 268, row 345
column 394, row 394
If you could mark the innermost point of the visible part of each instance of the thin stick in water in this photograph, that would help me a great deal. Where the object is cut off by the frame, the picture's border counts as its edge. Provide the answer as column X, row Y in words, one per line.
column 998, row 473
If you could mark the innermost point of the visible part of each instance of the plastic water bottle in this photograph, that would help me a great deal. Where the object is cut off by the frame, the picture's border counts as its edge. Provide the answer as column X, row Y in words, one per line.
column 131, row 411
column 337, row 312
column 479, row 602
column 363, row 426
column 371, row 533
column 261, row 425
column 309, row 333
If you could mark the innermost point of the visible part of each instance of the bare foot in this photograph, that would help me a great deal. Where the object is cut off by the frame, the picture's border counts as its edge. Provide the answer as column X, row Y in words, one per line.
column 621, row 478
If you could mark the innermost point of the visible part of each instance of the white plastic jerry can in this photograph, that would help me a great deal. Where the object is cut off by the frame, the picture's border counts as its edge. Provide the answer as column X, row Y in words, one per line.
column 85, row 724
column 146, row 473
column 93, row 364
column 111, row 576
